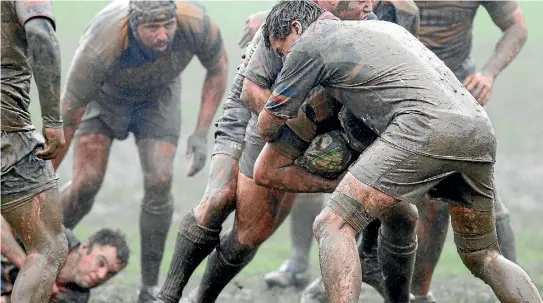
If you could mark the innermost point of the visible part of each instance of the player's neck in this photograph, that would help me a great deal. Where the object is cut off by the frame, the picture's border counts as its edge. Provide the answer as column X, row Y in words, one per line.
column 67, row 273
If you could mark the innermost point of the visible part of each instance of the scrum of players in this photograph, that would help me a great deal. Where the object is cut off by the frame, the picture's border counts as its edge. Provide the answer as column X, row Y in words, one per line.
column 328, row 98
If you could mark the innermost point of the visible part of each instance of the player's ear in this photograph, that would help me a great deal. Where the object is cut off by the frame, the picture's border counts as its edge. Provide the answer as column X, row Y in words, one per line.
column 296, row 27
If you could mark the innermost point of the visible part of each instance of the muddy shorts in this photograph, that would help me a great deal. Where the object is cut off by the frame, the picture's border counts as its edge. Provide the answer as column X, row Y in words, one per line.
column 23, row 174
column 248, row 158
column 407, row 176
column 230, row 130
column 156, row 118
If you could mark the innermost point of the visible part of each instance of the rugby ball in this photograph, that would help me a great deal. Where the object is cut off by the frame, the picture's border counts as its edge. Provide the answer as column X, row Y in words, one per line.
column 327, row 156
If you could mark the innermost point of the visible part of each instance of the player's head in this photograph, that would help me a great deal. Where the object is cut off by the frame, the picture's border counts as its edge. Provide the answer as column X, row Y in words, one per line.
column 101, row 257
column 287, row 21
column 347, row 9
column 154, row 23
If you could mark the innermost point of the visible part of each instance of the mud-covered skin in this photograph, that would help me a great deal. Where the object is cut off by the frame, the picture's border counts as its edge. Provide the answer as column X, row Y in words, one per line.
column 28, row 36
column 72, row 293
column 446, row 29
column 39, row 224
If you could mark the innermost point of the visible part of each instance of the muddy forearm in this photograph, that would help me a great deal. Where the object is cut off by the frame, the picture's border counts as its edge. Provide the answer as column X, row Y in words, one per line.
column 513, row 39
column 44, row 51
column 10, row 248
column 254, row 96
column 269, row 126
column 213, row 91
column 72, row 114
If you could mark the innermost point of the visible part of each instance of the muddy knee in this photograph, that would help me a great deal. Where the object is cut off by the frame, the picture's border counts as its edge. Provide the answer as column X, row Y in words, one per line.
column 399, row 222
column 477, row 251
column 218, row 202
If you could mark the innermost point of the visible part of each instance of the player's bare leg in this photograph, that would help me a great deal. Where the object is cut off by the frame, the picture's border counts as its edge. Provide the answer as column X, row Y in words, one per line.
column 259, row 212
column 90, row 162
column 156, row 158
column 338, row 253
column 476, row 243
column 199, row 230
column 39, row 224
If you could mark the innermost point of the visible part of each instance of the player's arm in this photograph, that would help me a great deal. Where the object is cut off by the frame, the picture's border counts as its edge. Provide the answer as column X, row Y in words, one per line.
column 10, row 248
column 44, row 52
column 301, row 72
column 508, row 17
column 86, row 74
column 252, row 24
column 254, row 95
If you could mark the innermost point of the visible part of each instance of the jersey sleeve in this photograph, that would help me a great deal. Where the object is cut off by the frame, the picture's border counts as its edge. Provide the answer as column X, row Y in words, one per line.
column 27, row 9
column 86, row 74
column 264, row 65
column 207, row 39
column 500, row 11
column 302, row 71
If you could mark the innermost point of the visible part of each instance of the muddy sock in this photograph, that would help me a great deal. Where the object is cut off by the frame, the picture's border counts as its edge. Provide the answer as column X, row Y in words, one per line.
column 397, row 263
column 506, row 238
column 306, row 208
column 224, row 263
column 155, row 221
column 193, row 244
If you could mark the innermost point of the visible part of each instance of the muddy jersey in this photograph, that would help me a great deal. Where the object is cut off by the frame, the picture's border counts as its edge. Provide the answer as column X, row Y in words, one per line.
column 402, row 12
column 392, row 83
column 16, row 70
column 446, row 29
column 109, row 59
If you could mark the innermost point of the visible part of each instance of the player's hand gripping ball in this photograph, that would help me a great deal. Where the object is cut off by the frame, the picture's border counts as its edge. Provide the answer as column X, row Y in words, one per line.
column 327, row 156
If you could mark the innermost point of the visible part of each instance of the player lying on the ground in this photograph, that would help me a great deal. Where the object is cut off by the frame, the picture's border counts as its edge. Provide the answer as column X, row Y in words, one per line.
column 447, row 30
column 88, row 265
column 30, row 199
column 125, row 78
column 200, row 229
column 432, row 134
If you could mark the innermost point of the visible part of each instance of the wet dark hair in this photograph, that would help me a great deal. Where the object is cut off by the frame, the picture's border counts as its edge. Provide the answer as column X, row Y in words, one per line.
column 278, row 22
column 110, row 237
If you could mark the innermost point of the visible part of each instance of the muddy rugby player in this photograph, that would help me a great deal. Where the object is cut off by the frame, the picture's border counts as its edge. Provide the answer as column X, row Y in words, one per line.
column 422, row 123
column 227, row 191
column 295, row 269
column 125, row 78
column 30, row 197
column 88, row 265
column 446, row 29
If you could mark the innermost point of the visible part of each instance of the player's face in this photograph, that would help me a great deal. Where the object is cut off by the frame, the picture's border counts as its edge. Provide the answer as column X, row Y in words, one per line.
column 97, row 266
column 353, row 10
column 283, row 46
column 157, row 36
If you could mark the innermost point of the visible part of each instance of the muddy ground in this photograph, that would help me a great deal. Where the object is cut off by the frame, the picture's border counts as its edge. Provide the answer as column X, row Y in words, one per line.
column 516, row 110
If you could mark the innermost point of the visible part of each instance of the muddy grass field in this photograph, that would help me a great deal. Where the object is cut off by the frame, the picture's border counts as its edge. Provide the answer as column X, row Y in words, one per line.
column 516, row 109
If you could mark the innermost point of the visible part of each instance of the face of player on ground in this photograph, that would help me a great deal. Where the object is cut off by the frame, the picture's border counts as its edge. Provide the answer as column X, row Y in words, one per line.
column 283, row 46
column 157, row 36
column 96, row 266
column 352, row 10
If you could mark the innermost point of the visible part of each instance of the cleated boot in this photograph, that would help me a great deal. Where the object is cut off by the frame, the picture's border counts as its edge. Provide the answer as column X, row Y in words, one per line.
column 428, row 298
column 314, row 293
column 285, row 277
column 148, row 294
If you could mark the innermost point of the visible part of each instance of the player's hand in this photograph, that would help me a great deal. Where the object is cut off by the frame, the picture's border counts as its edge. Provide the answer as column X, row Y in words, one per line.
column 54, row 141
column 252, row 25
column 197, row 149
column 480, row 86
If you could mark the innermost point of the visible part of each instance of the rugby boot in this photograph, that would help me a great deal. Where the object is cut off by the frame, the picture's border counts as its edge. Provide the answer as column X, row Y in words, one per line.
column 285, row 276
column 314, row 293
column 428, row 298
column 148, row 294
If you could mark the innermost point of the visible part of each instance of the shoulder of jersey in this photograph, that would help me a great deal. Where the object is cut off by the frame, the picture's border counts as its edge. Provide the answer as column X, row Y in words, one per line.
column 108, row 31
column 405, row 5
column 188, row 11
